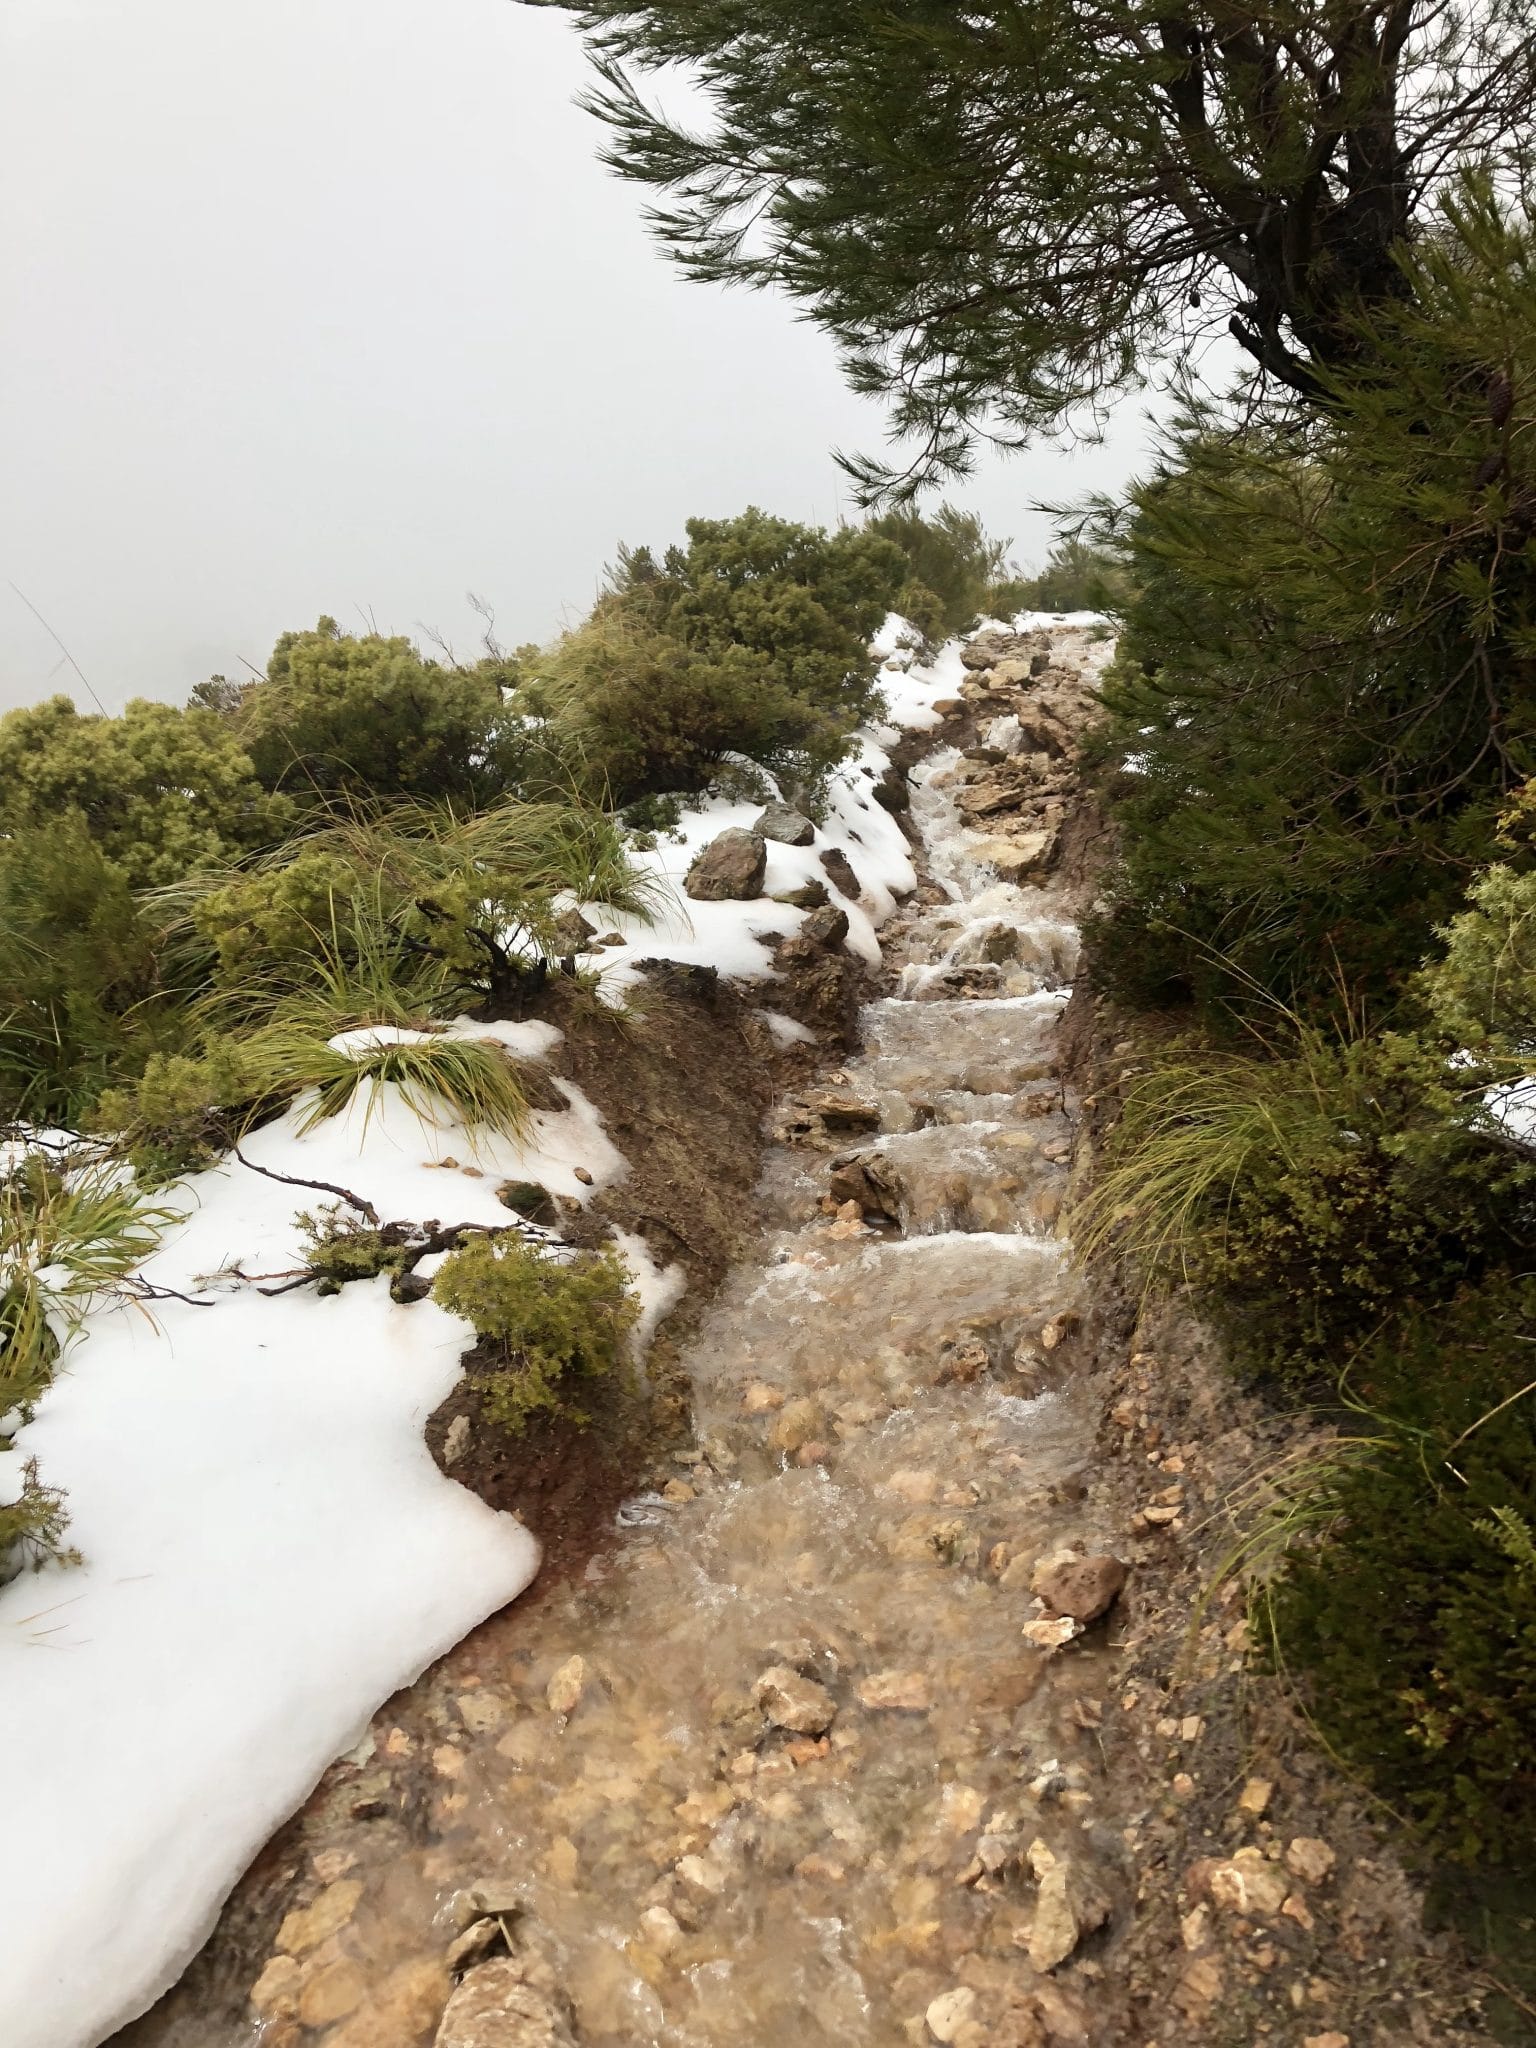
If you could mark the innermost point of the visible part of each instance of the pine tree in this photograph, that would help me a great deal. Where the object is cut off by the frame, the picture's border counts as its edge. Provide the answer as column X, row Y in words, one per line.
column 1000, row 210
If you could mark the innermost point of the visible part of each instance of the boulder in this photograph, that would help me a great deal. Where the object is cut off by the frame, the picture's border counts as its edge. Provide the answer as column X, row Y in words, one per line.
column 1082, row 1587
column 509, row 2003
column 729, row 869
column 1025, row 859
column 786, row 825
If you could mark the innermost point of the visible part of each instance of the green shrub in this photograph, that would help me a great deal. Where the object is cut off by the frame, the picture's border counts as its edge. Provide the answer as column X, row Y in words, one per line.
column 1311, row 1198
column 1328, row 673
column 81, row 1003
column 1079, row 576
column 752, row 641
column 183, row 1112
column 544, row 1320
column 952, row 567
column 162, row 791
column 364, row 716
column 1482, row 992
column 32, row 1528
column 1414, row 1621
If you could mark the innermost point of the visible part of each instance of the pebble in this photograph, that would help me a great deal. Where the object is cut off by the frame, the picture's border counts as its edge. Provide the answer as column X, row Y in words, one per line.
column 908, row 1692
column 308, row 1926
column 793, row 1702
column 1310, row 1859
column 564, row 1690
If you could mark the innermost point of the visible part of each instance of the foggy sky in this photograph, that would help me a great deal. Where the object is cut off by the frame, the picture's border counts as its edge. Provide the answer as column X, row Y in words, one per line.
column 327, row 306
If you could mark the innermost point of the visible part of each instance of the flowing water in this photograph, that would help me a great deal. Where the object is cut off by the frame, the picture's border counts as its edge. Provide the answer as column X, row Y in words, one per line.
column 888, row 1441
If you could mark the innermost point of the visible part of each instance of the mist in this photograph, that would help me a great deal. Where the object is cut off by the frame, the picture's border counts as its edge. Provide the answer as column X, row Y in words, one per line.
column 324, row 306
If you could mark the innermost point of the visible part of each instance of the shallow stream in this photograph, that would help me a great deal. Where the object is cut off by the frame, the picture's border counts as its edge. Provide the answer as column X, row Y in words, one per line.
column 888, row 1441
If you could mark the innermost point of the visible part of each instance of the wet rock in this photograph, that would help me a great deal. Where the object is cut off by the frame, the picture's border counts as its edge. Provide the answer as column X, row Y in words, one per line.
column 308, row 1926
column 509, row 2003
column 1067, row 1908
column 841, row 1110
column 480, row 1939
column 1082, row 1587
column 404, row 2007
column 729, row 869
column 900, row 1692
column 794, row 1703
column 565, row 1689
column 275, row 1994
column 840, row 872
column 948, row 2013
column 329, row 1994
column 787, row 826
column 1024, row 859
column 660, row 1928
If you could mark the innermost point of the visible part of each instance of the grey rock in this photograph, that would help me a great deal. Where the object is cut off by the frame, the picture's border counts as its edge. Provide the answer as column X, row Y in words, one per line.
column 786, row 825
column 826, row 927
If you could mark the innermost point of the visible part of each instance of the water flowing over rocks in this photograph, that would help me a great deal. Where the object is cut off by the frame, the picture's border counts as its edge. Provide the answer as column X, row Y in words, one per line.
column 819, row 1745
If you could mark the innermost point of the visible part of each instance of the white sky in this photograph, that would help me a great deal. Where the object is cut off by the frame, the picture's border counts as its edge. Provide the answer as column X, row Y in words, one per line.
column 326, row 305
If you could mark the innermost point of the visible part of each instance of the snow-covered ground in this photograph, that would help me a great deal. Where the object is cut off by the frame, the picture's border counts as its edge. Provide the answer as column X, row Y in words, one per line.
column 269, row 1549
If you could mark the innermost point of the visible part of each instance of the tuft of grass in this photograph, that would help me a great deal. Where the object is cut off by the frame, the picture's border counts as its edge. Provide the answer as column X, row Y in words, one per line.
column 473, row 1079
column 71, row 1231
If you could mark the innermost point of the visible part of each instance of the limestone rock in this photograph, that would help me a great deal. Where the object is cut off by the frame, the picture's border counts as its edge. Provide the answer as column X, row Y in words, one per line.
column 308, row 1926
column 572, row 933
column 503, row 2004
column 948, row 2013
column 729, row 869
column 1248, row 1883
column 899, row 1692
column 565, row 1688
column 1020, row 860
column 793, row 1702
column 785, row 825
column 1082, row 1587
column 1309, row 1858
column 1066, row 1909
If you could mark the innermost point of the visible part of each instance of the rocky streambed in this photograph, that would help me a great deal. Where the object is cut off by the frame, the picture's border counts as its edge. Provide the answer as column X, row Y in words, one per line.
column 818, row 1745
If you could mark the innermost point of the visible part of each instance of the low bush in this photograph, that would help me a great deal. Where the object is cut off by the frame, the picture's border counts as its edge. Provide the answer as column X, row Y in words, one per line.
column 546, row 1320
column 342, row 716
column 953, row 567
column 1313, row 1197
column 162, row 791
column 752, row 641
column 81, row 1001
column 1411, row 1614
column 71, row 1230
